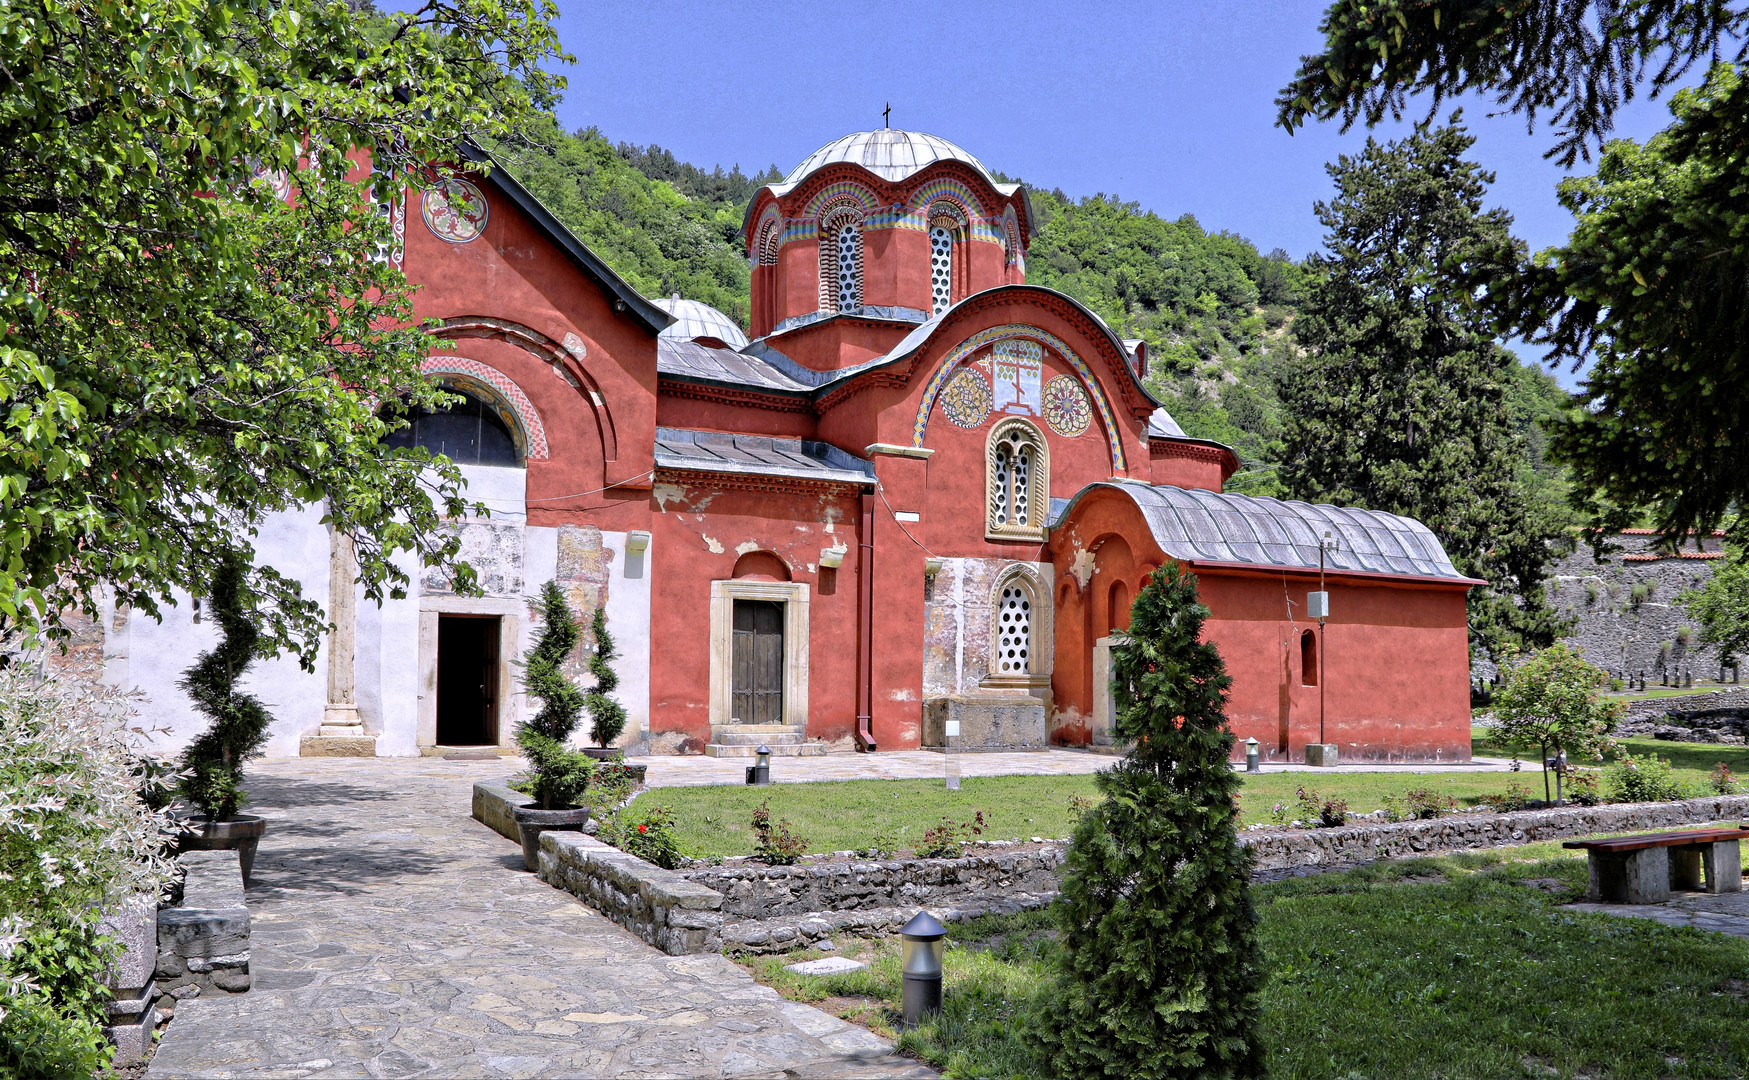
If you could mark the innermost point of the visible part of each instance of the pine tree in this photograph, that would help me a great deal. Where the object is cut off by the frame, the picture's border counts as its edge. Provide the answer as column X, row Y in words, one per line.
column 214, row 760
column 1400, row 401
column 558, row 774
column 607, row 716
column 1160, row 969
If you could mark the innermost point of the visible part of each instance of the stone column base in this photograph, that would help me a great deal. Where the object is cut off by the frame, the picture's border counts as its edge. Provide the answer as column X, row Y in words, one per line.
column 337, row 746
column 1321, row 754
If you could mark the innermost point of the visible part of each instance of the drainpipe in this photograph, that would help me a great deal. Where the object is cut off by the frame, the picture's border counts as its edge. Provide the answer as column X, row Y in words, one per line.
column 865, row 740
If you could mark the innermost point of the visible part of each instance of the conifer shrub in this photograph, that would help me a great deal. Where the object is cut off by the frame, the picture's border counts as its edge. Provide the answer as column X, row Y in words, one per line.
column 213, row 762
column 607, row 717
column 558, row 775
column 1159, row 971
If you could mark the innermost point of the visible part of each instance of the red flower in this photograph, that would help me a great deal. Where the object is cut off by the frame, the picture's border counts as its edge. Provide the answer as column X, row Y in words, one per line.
column 643, row 828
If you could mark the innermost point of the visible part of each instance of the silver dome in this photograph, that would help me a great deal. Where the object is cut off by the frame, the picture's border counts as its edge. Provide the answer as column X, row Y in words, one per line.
column 890, row 153
column 693, row 319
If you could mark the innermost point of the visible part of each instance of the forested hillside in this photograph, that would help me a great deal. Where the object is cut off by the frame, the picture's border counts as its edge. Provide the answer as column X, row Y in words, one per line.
column 1217, row 314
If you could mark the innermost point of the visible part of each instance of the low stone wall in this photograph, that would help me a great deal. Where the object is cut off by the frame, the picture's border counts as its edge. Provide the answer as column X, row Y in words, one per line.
column 203, row 943
column 756, row 891
column 662, row 907
column 1291, row 848
column 495, row 803
column 785, row 933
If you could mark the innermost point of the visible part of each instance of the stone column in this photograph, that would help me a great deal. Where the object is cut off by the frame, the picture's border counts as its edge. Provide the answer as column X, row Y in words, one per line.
column 342, row 731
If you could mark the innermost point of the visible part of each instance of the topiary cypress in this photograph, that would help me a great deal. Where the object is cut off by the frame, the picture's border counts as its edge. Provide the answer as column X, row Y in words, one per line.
column 1160, row 970
column 558, row 774
column 607, row 716
column 213, row 762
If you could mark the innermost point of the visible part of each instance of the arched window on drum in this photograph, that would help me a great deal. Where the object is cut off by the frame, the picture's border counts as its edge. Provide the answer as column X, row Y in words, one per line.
column 841, row 261
column 470, row 432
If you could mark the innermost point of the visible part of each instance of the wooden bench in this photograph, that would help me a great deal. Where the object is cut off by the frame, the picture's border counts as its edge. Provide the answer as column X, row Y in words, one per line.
column 1645, row 869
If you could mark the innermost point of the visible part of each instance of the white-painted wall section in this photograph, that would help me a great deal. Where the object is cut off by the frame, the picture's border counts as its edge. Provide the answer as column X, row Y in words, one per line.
column 395, row 643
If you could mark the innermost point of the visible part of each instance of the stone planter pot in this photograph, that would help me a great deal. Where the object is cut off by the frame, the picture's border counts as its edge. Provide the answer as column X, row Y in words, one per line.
column 531, row 822
column 608, row 753
column 241, row 834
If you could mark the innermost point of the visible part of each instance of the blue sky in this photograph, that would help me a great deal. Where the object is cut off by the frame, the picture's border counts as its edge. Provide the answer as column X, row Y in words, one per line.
column 1169, row 104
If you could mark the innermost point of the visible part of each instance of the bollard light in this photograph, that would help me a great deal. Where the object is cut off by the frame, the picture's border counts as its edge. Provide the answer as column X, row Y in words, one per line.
column 1251, row 764
column 762, row 765
column 923, row 941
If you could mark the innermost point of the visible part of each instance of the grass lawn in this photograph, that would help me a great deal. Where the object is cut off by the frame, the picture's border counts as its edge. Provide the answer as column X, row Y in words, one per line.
column 849, row 814
column 1693, row 760
column 1454, row 967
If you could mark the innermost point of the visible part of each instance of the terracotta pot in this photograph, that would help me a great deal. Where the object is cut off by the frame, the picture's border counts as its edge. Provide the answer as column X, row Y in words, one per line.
column 240, row 834
column 532, row 821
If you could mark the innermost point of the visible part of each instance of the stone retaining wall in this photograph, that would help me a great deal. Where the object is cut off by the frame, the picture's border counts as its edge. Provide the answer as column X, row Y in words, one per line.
column 203, row 943
column 662, row 907
column 495, row 803
column 1459, row 832
column 753, row 891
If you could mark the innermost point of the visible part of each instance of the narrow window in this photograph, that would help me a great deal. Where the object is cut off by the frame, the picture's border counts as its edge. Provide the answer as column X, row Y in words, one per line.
column 1308, row 658
column 940, row 269
column 1014, row 631
column 849, row 268
column 1016, row 480
column 1004, row 470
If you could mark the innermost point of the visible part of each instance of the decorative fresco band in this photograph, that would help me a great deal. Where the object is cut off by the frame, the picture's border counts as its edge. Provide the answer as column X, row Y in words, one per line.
column 1005, row 333
column 526, row 422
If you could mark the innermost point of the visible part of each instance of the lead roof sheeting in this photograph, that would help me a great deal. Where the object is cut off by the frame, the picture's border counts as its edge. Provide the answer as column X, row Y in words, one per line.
column 689, row 359
column 1215, row 527
column 758, row 455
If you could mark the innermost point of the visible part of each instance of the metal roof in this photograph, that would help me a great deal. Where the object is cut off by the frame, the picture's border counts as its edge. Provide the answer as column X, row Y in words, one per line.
column 1208, row 526
column 1162, row 426
column 758, row 455
column 694, row 319
column 690, row 360
column 891, row 154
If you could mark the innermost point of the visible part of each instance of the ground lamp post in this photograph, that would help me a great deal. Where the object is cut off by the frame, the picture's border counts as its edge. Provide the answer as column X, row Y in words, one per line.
column 1318, row 607
column 760, row 772
column 920, row 960
column 1251, row 764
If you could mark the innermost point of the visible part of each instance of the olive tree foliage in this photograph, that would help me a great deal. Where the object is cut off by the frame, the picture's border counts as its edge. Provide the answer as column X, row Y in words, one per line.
column 197, row 327
column 1721, row 606
column 1650, row 287
column 1551, row 701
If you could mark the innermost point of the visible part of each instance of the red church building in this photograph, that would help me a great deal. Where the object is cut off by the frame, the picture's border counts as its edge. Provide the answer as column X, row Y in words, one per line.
column 909, row 509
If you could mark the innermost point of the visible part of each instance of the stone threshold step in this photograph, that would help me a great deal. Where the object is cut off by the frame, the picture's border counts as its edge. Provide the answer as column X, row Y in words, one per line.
column 749, row 750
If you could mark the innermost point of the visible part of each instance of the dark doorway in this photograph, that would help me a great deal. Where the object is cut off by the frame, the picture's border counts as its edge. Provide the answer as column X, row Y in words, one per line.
column 758, row 662
column 467, row 680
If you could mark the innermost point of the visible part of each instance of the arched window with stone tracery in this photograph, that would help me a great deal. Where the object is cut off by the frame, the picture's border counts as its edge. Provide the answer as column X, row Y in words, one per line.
column 841, row 261
column 1017, row 482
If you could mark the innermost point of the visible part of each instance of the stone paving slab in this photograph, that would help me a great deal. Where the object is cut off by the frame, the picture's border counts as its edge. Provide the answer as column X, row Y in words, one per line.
column 394, row 936
column 1726, row 913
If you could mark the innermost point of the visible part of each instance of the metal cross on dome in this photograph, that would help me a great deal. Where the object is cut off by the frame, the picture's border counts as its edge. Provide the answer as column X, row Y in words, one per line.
column 887, row 115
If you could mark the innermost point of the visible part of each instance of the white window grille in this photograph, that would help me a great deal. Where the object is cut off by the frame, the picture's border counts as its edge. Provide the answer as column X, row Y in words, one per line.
column 1003, row 469
column 1014, row 631
column 940, row 269
column 849, row 268
column 1016, row 478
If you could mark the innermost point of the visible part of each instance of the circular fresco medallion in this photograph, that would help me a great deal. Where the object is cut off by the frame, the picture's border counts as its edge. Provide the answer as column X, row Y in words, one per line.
column 277, row 180
column 966, row 401
column 454, row 210
column 1067, row 409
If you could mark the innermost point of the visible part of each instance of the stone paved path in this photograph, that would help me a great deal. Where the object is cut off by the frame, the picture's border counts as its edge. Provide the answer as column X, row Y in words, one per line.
column 1727, row 913
column 671, row 771
column 394, row 936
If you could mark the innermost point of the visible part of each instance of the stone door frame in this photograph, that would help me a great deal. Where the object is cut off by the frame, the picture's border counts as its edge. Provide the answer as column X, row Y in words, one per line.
column 794, row 597
column 510, row 612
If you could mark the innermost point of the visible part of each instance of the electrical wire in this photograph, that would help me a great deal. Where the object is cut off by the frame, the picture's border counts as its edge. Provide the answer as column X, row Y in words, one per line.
column 597, row 491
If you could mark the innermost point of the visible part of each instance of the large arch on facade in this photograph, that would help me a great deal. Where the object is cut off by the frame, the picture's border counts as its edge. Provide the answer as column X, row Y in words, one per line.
column 969, row 348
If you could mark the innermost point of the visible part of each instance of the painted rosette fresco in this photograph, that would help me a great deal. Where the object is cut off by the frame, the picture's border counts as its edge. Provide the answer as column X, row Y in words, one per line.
column 966, row 401
column 454, row 210
column 1067, row 409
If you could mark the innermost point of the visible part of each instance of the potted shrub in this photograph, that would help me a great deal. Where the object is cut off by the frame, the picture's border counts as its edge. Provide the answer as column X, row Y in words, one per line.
column 557, row 774
column 213, row 762
column 607, row 717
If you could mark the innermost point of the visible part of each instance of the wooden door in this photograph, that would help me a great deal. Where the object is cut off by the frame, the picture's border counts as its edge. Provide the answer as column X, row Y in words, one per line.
column 758, row 662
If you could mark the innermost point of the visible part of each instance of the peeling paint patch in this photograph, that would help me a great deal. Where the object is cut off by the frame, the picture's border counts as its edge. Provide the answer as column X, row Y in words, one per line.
column 1081, row 567
column 667, row 493
column 714, row 544
column 744, row 547
column 902, row 694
